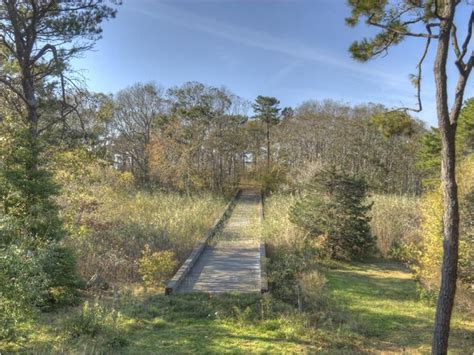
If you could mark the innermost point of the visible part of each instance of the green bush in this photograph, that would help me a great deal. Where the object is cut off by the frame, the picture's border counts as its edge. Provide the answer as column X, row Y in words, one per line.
column 27, row 196
column 96, row 321
column 90, row 320
column 285, row 268
column 333, row 207
column 63, row 281
column 156, row 267
column 22, row 281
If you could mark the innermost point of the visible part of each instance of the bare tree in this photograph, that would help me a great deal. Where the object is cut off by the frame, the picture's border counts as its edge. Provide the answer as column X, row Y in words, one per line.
column 137, row 111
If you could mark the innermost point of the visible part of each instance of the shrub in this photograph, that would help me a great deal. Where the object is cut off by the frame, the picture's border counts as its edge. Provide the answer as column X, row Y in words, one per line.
column 156, row 267
column 94, row 321
column 283, row 272
column 273, row 179
column 333, row 206
column 430, row 249
column 313, row 291
column 285, row 268
column 21, row 284
column 90, row 320
column 289, row 250
column 63, row 281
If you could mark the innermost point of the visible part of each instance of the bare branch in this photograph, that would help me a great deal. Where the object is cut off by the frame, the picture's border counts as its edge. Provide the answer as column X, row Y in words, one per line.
column 454, row 39
column 461, row 52
column 459, row 93
column 468, row 36
column 42, row 52
column 403, row 33
column 419, row 75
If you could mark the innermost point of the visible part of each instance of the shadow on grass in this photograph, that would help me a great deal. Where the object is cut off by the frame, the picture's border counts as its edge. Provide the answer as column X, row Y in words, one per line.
column 381, row 301
column 204, row 324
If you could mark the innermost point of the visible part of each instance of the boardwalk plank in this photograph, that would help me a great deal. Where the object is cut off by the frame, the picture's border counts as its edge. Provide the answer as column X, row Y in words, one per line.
column 231, row 263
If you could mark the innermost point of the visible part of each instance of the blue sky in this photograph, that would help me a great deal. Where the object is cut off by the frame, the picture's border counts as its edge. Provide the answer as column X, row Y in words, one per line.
column 295, row 50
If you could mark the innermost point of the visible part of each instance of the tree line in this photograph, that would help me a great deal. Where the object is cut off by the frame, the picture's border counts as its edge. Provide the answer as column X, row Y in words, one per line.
column 195, row 136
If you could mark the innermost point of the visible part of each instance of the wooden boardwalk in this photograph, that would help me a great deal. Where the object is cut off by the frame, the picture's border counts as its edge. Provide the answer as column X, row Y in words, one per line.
column 231, row 262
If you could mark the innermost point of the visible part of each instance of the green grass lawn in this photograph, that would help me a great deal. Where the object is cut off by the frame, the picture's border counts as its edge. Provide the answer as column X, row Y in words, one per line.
column 381, row 299
column 373, row 308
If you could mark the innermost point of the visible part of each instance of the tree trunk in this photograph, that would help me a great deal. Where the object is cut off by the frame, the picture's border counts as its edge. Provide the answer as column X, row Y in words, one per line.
column 27, row 83
column 450, row 199
column 268, row 146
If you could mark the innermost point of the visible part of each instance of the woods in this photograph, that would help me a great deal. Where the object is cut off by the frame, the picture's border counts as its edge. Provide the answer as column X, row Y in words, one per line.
column 104, row 195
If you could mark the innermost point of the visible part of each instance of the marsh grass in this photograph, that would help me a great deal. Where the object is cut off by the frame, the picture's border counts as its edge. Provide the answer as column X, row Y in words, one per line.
column 370, row 307
column 395, row 220
column 111, row 237
column 277, row 230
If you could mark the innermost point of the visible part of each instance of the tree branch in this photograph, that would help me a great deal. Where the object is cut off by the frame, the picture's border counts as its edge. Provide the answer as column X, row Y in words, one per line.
column 468, row 36
column 418, row 77
column 459, row 93
column 13, row 89
column 403, row 33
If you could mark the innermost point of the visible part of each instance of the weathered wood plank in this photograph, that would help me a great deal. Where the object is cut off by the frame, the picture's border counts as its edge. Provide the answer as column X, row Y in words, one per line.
column 184, row 270
column 232, row 261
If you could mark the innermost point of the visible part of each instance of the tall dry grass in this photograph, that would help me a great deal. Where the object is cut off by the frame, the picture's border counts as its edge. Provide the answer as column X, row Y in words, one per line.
column 395, row 220
column 111, row 238
column 278, row 231
column 109, row 221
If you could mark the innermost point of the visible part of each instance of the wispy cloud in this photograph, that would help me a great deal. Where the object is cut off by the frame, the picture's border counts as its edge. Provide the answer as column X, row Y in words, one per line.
column 264, row 41
column 286, row 70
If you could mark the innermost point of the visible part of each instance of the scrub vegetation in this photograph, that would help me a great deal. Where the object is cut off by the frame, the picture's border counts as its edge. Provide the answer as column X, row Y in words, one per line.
column 104, row 196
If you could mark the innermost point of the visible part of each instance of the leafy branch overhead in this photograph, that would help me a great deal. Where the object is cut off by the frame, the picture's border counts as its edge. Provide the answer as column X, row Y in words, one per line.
column 38, row 38
column 410, row 18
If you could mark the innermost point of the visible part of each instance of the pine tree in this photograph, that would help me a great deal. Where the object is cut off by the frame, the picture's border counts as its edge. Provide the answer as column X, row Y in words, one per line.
column 334, row 207
column 267, row 110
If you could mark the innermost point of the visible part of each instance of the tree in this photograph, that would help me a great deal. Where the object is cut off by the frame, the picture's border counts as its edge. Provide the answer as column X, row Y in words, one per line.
column 287, row 113
column 333, row 134
column 37, row 40
column 266, row 110
column 89, row 126
column 394, row 123
column 137, row 111
column 202, row 142
column 465, row 131
column 397, row 21
column 334, row 207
